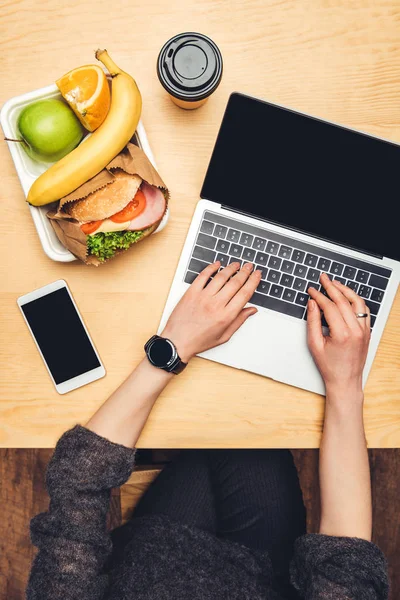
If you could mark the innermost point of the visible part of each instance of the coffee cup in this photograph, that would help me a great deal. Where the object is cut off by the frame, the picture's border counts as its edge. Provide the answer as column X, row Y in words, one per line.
column 189, row 68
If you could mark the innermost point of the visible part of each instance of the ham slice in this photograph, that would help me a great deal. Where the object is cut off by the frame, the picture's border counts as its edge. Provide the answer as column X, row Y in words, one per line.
column 154, row 211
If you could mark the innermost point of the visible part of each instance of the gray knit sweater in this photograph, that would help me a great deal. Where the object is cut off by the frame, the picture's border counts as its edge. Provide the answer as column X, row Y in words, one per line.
column 152, row 558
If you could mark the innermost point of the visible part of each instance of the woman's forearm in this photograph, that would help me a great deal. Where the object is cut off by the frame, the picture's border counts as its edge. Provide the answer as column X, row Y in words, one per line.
column 122, row 417
column 344, row 468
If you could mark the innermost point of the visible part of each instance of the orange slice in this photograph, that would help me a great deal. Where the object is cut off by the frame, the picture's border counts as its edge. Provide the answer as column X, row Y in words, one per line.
column 87, row 92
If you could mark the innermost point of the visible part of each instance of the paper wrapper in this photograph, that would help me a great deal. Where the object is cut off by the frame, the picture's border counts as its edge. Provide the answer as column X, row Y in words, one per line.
column 132, row 160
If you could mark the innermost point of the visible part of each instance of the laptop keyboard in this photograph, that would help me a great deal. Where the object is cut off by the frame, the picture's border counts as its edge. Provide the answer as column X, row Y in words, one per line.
column 289, row 267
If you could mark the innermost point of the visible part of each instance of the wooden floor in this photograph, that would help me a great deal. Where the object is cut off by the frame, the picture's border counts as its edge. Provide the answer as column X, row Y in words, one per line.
column 22, row 495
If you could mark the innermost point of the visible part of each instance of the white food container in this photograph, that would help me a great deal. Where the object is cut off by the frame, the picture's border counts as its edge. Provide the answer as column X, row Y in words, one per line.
column 28, row 169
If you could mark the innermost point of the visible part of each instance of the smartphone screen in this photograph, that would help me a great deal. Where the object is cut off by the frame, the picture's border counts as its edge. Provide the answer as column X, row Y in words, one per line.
column 60, row 335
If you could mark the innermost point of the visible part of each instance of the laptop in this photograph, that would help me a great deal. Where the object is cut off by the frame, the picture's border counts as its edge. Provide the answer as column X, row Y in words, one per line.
column 296, row 196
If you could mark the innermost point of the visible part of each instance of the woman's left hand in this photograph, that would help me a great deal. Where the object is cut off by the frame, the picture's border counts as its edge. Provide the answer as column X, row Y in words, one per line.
column 209, row 314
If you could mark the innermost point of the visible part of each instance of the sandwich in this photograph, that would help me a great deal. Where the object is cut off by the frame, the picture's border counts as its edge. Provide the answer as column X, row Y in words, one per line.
column 117, row 208
column 119, row 214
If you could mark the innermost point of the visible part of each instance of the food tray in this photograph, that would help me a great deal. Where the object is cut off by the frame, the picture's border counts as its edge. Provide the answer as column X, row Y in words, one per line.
column 28, row 169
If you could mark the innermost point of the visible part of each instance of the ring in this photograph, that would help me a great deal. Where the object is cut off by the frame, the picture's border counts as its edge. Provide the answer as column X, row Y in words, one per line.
column 361, row 315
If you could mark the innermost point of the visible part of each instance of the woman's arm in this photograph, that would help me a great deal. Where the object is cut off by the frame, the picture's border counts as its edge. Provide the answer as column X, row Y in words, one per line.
column 344, row 469
column 341, row 562
column 206, row 316
column 72, row 538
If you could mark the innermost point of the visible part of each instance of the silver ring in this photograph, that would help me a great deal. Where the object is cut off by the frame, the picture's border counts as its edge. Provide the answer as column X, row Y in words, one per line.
column 361, row 315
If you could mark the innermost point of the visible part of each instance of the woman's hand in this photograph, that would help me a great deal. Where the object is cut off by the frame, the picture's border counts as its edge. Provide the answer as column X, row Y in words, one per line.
column 341, row 355
column 208, row 315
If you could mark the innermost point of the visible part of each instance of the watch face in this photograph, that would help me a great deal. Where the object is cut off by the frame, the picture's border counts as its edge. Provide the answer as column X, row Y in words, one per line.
column 161, row 352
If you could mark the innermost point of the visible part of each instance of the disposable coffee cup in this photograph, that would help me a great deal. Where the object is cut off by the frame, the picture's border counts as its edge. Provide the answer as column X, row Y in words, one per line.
column 189, row 67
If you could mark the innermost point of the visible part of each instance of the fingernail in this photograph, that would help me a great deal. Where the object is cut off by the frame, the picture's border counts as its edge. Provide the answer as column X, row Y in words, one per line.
column 236, row 264
column 259, row 272
column 248, row 266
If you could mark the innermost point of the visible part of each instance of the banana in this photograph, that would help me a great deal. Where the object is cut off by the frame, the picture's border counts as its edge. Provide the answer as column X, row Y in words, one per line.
column 100, row 148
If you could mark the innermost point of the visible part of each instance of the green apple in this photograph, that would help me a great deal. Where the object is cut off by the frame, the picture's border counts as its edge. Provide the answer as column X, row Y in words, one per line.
column 49, row 130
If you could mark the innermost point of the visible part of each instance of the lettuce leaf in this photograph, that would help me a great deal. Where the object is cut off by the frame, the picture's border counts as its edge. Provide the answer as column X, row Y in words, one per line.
column 105, row 245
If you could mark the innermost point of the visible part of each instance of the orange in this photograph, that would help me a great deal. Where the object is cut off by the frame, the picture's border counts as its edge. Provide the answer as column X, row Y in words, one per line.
column 87, row 92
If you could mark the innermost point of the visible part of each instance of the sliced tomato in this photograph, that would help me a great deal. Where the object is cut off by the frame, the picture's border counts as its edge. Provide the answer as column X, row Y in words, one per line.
column 91, row 227
column 131, row 210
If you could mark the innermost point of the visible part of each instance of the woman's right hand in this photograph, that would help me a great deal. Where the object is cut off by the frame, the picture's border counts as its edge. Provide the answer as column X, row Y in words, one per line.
column 341, row 355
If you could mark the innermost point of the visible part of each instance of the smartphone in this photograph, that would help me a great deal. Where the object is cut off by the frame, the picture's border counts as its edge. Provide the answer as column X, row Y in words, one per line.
column 61, row 336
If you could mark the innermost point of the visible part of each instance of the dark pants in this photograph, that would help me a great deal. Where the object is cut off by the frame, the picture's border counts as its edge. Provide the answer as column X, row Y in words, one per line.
column 251, row 497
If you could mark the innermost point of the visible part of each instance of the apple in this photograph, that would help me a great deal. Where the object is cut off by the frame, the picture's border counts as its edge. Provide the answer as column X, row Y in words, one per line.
column 49, row 130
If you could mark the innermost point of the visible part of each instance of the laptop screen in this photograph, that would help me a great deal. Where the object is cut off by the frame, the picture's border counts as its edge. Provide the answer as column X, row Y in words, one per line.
column 306, row 174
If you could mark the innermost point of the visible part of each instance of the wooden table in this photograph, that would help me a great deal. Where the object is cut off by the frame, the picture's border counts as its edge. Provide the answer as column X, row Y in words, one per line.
column 338, row 60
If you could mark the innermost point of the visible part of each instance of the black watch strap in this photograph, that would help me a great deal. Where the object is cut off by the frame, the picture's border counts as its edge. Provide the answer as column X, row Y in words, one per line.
column 176, row 365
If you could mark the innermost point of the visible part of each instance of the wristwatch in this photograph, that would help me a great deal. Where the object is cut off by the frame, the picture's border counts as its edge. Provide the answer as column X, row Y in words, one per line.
column 163, row 354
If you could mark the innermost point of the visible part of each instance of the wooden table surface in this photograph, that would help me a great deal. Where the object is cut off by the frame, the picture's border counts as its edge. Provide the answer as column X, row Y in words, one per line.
column 338, row 60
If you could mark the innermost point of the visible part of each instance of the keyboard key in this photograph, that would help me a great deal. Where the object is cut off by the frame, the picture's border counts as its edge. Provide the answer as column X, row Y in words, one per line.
column 323, row 264
column 190, row 277
column 353, row 286
column 220, row 231
column 285, row 252
column 379, row 282
column 286, row 280
column 277, row 305
column 274, row 262
column 289, row 295
column 204, row 254
column 299, row 284
column 246, row 239
column 248, row 254
column 287, row 266
column 223, row 259
column 373, row 307
column 236, row 250
column 263, row 270
column 262, row 258
column 233, row 259
column 349, row 272
column 272, row 247
column 364, row 291
column 341, row 279
column 197, row 266
column 311, row 260
column 223, row 246
column 233, row 235
column 313, row 274
column 259, row 243
column 206, row 241
column 207, row 227
column 377, row 295
column 273, row 276
column 373, row 319
column 302, row 298
column 263, row 287
column 300, row 271
column 298, row 256
column 276, row 291
column 313, row 284
column 336, row 268
column 362, row 276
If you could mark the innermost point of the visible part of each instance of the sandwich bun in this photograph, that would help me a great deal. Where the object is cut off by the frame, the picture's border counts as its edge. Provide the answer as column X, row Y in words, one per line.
column 106, row 201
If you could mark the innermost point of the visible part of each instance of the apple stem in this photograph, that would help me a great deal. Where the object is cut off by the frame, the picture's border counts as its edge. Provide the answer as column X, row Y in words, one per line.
column 13, row 140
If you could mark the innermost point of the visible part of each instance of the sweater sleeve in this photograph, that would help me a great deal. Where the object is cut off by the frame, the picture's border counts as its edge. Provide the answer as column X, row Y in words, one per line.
column 72, row 536
column 339, row 568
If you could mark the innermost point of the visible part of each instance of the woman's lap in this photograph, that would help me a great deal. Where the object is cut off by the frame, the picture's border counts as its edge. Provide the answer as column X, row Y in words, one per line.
column 251, row 497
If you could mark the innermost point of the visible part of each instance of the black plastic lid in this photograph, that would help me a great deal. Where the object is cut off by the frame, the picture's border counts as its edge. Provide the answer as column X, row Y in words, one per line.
column 189, row 66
